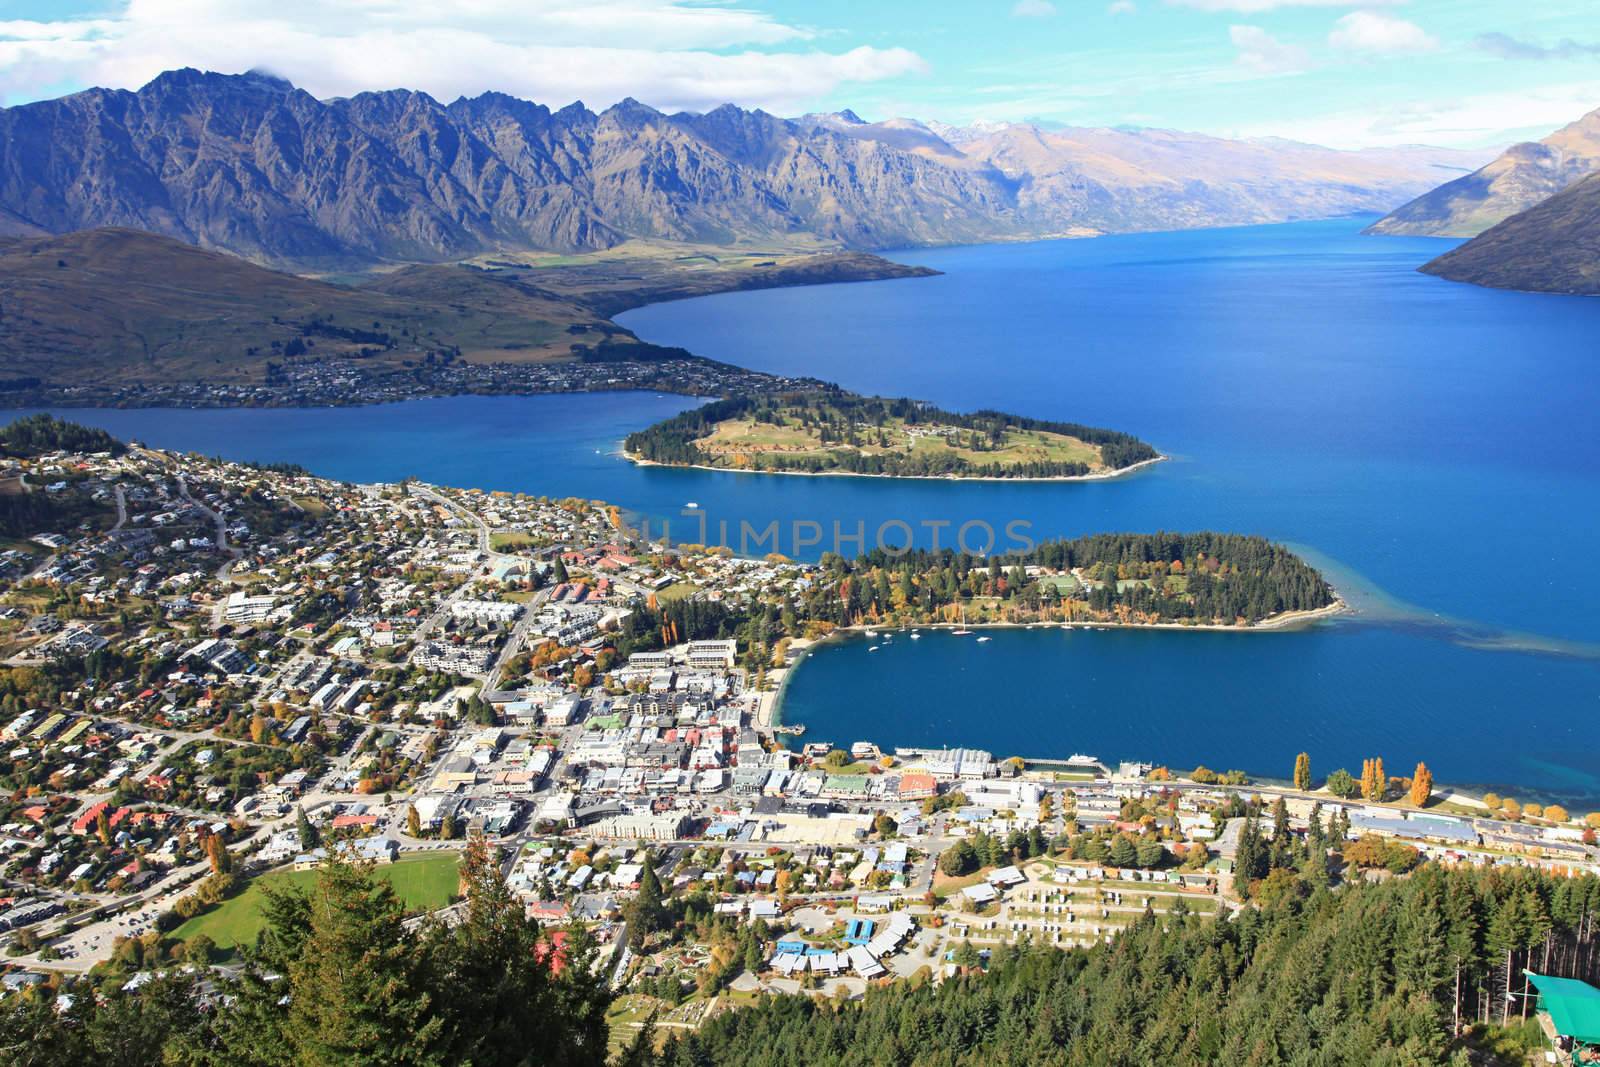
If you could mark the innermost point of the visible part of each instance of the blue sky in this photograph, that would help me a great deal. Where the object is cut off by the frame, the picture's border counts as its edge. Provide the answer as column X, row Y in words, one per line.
column 1344, row 72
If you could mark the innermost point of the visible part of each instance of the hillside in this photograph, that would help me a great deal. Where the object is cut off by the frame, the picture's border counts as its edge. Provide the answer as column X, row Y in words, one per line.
column 1553, row 247
column 251, row 165
column 1522, row 176
column 125, row 306
column 119, row 310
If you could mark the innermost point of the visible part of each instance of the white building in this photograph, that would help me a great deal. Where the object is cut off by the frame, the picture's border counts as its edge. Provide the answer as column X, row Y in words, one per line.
column 711, row 654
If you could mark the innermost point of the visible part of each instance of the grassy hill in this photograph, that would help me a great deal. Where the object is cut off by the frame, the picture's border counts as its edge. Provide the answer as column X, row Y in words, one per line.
column 118, row 307
column 124, row 305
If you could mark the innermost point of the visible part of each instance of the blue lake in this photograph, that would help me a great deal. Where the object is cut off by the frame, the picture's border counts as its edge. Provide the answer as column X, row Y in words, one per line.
column 1433, row 446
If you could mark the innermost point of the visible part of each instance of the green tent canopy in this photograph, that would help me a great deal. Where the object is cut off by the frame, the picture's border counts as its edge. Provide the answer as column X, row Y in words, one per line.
column 1573, row 1006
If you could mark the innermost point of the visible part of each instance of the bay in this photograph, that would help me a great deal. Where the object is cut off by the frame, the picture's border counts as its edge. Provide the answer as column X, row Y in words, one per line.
column 1431, row 445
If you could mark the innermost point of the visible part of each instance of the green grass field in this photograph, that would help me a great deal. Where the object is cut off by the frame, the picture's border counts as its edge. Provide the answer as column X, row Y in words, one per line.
column 677, row 591
column 424, row 882
column 501, row 540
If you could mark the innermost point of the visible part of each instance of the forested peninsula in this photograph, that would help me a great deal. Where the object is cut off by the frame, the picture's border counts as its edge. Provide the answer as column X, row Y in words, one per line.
column 1160, row 579
column 831, row 431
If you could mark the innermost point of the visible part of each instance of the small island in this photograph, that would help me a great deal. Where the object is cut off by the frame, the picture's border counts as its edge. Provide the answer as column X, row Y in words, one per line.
column 831, row 431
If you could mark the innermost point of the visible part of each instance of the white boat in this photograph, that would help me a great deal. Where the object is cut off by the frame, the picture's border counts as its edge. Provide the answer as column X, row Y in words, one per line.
column 915, row 636
column 872, row 633
column 982, row 639
column 874, row 648
column 691, row 504
column 961, row 632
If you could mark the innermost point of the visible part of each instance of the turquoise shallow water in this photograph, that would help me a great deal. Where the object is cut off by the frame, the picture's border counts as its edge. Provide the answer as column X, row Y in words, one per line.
column 1432, row 445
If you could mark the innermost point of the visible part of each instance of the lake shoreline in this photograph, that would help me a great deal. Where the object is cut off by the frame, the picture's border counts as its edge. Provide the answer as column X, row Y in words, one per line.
column 1283, row 621
column 1101, row 476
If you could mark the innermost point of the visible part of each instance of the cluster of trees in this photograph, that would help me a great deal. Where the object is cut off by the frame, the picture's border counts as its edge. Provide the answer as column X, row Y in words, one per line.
column 989, row 850
column 36, row 435
column 1266, row 867
column 336, row 978
column 1143, row 850
column 1374, row 781
column 659, row 624
column 1371, row 974
column 25, row 514
column 836, row 417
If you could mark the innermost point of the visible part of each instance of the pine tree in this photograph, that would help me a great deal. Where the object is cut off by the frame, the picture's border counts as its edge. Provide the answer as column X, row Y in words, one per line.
column 1250, row 859
column 1302, row 772
column 309, row 838
column 1123, row 852
column 507, row 1006
column 646, row 912
column 1281, row 854
column 360, row 994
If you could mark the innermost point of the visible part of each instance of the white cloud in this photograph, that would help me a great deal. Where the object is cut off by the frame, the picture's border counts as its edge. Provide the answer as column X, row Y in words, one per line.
column 1507, row 47
column 1256, row 7
column 1368, row 31
column 1122, row 7
column 1485, row 119
column 1033, row 9
column 1265, row 54
column 670, row 53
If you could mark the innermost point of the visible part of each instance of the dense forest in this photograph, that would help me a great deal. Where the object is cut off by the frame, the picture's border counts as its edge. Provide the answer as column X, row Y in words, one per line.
column 842, row 418
column 1162, row 577
column 36, row 435
column 25, row 514
column 1384, row 973
column 1424, row 969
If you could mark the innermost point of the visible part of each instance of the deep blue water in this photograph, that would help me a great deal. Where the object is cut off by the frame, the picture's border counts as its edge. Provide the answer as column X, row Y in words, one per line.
column 1434, row 446
column 1252, row 701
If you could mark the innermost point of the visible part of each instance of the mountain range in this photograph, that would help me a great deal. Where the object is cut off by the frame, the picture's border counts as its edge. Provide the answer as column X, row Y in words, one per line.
column 1522, row 176
column 251, row 165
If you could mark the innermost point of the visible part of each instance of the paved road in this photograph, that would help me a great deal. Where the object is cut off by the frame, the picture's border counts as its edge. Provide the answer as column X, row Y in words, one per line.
column 222, row 531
